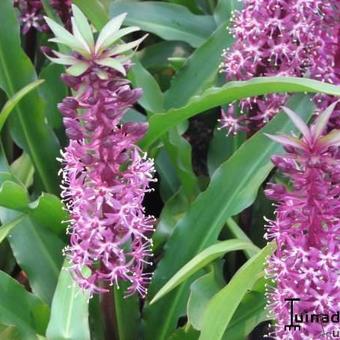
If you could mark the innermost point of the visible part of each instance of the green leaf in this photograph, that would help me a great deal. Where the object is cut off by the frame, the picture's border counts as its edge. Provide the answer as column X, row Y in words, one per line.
column 47, row 210
column 9, row 333
column 237, row 232
column 184, row 334
column 250, row 312
column 152, row 98
column 232, row 189
column 169, row 21
column 21, row 309
column 156, row 56
column 173, row 210
column 199, row 71
column 217, row 317
column 201, row 291
column 37, row 251
column 6, row 228
column 94, row 10
column 221, row 147
column 224, row 8
column 191, row 5
column 200, row 261
column 169, row 182
column 69, row 310
column 179, row 150
column 22, row 168
column 127, row 314
column 161, row 122
column 53, row 90
column 27, row 123
column 10, row 104
column 13, row 196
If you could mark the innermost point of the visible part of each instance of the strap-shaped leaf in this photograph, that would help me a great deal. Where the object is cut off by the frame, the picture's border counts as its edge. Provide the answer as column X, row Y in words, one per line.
column 11, row 103
column 200, row 261
column 223, row 305
column 69, row 310
column 159, row 123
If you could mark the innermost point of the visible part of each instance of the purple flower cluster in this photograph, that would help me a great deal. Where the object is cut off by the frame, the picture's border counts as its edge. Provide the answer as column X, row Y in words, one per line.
column 105, row 174
column 32, row 11
column 306, row 230
column 281, row 38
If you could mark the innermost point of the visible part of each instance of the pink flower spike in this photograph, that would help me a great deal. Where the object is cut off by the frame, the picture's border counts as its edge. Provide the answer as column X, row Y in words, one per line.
column 105, row 175
column 306, row 263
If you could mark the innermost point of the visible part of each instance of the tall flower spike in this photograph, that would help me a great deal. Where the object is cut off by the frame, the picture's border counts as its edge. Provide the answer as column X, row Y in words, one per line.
column 306, row 264
column 283, row 38
column 105, row 175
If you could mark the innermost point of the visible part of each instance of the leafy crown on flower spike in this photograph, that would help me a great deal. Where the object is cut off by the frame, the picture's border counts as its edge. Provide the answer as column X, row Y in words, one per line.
column 105, row 51
column 312, row 137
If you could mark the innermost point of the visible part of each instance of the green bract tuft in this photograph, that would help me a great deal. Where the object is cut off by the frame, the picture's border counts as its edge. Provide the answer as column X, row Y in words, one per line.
column 104, row 52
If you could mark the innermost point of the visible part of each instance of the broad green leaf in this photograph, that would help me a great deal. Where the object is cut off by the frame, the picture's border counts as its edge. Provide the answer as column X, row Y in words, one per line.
column 133, row 115
column 237, row 232
column 53, row 90
column 179, row 151
column 200, row 261
column 199, row 71
column 13, row 196
column 156, row 56
column 6, row 228
column 152, row 98
column 21, row 309
column 96, row 318
column 10, row 105
column 168, row 21
column 250, row 312
column 191, row 5
column 169, row 182
column 177, row 147
column 161, row 122
column 27, row 123
column 221, row 147
column 173, row 210
column 127, row 314
column 184, row 334
column 69, row 310
column 201, row 291
column 216, row 316
column 47, row 210
column 232, row 189
column 94, row 10
column 38, row 252
column 22, row 168
column 224, row 8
